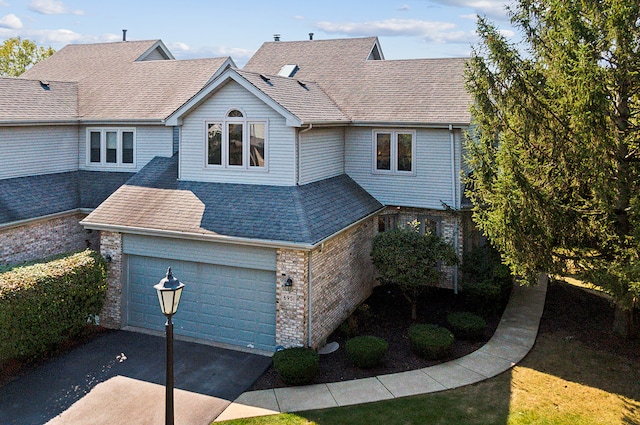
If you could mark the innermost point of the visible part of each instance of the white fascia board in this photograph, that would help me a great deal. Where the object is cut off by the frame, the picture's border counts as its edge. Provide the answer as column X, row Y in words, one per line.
column 399, row 124
column 157, row 44
column 208, row 90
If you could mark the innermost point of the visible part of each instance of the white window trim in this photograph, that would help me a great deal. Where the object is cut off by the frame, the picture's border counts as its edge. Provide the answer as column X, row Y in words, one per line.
column 393, row 152
column 103, row 147
column 246, row 159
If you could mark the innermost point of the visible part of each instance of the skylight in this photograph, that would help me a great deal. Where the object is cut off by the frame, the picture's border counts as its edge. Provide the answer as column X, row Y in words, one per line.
column 288, row 70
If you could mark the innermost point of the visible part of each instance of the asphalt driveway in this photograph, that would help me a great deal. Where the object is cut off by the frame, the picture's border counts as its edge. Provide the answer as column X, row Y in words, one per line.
column 119, row 378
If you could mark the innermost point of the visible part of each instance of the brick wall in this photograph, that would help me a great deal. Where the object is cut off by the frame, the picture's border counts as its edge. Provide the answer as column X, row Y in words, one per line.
column 111, row 246
column 291, row 304
column 342, row 278
column 44, row 238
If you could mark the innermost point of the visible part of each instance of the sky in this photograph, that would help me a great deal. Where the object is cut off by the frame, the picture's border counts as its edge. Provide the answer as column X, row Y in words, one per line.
column 195, row 29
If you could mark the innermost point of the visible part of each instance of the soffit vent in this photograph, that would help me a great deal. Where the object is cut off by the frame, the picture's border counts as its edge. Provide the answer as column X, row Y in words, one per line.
column 288, row 70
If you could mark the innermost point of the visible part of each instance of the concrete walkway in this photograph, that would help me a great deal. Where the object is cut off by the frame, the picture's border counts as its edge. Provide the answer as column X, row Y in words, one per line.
column 511, row 342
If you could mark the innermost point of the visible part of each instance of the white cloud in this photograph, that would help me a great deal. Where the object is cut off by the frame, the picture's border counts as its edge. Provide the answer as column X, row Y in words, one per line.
column 10, row 21
column 179, row 47
column 297, row 17
column 52, row 7
column 4, row 3
column 404, row 8
column 491, row 8
column 430, row 31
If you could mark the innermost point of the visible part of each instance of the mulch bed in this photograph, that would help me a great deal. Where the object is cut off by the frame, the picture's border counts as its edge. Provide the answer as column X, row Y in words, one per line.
column 389, row 318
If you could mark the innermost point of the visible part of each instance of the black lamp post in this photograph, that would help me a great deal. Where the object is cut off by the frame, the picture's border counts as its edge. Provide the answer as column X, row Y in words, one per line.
column 169, row 291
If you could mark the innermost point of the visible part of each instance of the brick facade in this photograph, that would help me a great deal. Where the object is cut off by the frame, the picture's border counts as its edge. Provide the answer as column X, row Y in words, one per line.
column 111, row 247
column 43, row 238
column 292, row 303
column 342, row 278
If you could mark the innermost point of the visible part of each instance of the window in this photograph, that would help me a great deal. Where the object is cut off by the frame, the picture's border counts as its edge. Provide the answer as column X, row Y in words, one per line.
column 236, row 142
column 387, row 222
column 111, row 146
column 394, row 152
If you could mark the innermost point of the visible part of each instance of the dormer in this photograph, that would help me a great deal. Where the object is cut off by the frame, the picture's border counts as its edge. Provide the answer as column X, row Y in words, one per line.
column 156, row 52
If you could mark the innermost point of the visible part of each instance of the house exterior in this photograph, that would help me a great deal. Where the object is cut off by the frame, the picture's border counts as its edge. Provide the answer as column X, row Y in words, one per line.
column 261, row 187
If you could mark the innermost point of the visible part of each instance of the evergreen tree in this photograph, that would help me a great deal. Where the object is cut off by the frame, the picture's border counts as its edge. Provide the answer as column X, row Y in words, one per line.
column 555, row 145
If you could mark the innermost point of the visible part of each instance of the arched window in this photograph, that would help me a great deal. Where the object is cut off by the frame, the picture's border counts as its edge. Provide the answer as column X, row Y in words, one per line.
column 237, row 142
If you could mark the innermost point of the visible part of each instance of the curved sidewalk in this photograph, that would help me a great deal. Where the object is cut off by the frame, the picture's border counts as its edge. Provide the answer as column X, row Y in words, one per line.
column 511, row 342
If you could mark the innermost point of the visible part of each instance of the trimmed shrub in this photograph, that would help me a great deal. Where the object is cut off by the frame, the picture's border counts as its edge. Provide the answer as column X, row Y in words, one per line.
column 487, row 283
column 366, row 351
column 296, row 366
column 430, row 341
column 466, row 325
column 44, row 304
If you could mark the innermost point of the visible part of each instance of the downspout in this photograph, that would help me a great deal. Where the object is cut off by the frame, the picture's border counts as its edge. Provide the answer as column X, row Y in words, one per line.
column 455, row 204
column 299, row 139
column 309, row 297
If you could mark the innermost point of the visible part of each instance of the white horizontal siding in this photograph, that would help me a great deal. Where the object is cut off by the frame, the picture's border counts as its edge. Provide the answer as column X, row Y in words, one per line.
column 38, row 150
column 280, row 140
column 321, row 154
column 428, row 188
column 150, row 141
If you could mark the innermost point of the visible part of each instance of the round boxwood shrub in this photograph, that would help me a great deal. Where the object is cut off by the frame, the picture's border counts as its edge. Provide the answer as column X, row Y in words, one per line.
column 430, row 341
column 466, row 325
column 366, row 351
column 296, row 366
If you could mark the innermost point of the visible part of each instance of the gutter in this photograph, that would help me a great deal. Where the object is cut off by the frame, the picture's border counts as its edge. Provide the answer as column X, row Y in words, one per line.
column 456, row 204
column 18, row 223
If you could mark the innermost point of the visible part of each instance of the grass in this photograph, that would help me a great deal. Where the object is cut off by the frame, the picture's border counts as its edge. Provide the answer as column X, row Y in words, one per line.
column 562, row 381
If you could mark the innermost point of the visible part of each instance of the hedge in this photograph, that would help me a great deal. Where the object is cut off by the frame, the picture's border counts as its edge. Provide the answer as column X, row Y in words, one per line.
column 366, row 351
column 44, row 304
column 296, row 366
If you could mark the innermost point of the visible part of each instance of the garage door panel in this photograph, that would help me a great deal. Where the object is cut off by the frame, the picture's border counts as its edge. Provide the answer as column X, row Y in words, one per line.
column 221, row 303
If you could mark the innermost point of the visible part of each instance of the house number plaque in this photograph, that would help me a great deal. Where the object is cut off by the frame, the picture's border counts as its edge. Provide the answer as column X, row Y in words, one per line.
column 289, row 298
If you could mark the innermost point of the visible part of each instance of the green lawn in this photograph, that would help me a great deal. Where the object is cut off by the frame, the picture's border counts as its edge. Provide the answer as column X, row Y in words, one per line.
column 561, row 381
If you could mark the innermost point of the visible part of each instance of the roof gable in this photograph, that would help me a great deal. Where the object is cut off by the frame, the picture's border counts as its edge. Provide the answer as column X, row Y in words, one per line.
column 369, row 89
column 128, row 81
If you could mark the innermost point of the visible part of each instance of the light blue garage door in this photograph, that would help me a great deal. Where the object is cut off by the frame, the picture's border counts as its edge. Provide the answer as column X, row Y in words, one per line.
column 221, row 303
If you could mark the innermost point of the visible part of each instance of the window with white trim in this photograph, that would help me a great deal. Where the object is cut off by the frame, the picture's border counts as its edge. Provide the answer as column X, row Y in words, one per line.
column 236, row 142
column 394, row 152
column 111, row 146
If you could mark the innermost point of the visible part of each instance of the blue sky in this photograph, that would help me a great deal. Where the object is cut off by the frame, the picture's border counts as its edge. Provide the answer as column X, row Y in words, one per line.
column 194, row 29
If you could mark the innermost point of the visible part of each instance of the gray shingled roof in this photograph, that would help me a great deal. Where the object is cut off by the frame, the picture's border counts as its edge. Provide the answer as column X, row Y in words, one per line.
column 396, row 91
column 112, row 85
column 155, row 200
column 24, row 198
column 35, row 101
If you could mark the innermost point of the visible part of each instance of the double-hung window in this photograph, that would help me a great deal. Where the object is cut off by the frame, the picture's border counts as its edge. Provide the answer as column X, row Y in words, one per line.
column 111, row 146
column 237, row 142
column 394, row 152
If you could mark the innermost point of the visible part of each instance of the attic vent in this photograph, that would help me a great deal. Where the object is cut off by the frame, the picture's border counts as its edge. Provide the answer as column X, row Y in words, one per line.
column 375, row 54
column 45, row 85
column 288, row 70
column 265, row 78
column 303, row 85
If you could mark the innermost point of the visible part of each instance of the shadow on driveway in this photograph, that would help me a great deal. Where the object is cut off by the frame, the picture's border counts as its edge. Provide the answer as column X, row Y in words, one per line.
column 49, row 390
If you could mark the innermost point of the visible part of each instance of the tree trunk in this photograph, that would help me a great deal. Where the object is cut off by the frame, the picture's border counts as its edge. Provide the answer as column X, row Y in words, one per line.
column 414, row 311
column 626, row 323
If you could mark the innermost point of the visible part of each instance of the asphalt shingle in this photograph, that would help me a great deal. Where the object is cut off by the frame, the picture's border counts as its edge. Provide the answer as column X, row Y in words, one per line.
column 37, row 101
column 24, row 198
column 155, row 199
column 114, row 85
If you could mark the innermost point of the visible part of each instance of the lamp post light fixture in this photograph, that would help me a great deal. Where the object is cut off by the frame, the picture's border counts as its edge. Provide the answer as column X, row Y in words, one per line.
column 169, row 290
